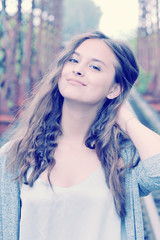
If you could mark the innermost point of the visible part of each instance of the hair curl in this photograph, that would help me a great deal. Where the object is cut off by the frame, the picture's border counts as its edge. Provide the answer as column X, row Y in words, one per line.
column 40, row 124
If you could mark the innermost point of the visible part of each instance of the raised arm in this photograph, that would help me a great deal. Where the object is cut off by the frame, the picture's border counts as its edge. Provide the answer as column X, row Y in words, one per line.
column 145, row 140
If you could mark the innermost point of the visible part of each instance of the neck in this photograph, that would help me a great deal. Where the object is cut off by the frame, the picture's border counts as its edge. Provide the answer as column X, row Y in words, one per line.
column 76, row 120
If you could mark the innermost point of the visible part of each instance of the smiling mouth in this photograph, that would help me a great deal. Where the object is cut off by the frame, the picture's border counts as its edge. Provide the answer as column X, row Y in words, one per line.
column 76, row 82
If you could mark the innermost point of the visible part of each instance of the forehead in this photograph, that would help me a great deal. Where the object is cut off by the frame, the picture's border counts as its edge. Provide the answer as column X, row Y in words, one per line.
column 97, row 49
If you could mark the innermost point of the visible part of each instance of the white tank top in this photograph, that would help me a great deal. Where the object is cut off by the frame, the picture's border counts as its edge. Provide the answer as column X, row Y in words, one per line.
column 84, row 211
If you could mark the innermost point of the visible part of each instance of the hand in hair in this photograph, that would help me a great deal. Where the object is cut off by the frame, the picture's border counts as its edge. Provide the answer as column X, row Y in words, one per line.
column 125, row 115
column 145, row 140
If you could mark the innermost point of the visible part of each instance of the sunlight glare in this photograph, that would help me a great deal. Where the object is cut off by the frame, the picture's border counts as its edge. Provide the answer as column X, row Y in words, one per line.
column 44, row 15
column 37, row 12
column 119, row 18
column 26, row 6
column 11, row 7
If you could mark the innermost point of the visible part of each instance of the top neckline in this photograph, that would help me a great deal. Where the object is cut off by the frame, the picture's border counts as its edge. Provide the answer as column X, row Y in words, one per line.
column 55, row 187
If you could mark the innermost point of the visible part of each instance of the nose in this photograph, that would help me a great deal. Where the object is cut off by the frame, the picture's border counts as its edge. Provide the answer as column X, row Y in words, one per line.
column 78, row 71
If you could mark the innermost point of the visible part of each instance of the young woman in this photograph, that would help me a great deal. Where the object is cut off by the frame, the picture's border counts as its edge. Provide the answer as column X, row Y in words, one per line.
column 72, row 170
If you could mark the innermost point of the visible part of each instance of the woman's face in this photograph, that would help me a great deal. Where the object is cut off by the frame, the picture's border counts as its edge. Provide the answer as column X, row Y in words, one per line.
column 88, row 75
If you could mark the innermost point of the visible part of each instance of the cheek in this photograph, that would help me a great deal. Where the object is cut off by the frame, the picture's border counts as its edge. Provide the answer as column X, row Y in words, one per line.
column 104, row 85
column 105, row 82
column 63, row 73
column 66, row 69
column 61, row 81
column 61, row 87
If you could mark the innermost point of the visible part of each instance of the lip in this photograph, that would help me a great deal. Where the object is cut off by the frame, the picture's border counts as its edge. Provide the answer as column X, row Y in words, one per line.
column 75, row 82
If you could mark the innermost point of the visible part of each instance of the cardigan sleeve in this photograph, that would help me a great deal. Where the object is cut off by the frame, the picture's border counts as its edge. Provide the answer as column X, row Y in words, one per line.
column 147, row 171
column 1, row 236
column 9, row 200
column 148, row 175
column 2, row 165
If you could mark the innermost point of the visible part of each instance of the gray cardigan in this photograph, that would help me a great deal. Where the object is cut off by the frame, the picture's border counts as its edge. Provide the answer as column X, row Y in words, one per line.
column 139, row 181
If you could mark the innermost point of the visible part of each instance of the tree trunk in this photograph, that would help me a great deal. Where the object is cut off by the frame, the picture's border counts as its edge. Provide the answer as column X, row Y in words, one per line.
column 57, row 35
column 10, row 76
column 27, row 61
column 157, row 46
column 37, row 68
column 19, row 63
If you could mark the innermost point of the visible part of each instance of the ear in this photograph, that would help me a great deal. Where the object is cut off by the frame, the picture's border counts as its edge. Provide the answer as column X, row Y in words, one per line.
column 114, row 91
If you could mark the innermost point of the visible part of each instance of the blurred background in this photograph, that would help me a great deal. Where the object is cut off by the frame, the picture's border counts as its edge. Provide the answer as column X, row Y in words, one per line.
column 32, row 32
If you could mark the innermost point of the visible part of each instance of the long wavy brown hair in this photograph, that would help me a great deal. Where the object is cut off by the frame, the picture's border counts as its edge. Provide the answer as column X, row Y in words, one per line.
column 39, row 127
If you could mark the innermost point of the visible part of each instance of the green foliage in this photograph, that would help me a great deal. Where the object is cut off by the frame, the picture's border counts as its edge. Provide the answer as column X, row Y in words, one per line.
column 10, row 104
column 2, row 62
column 79, row 16
column 12, row 22
column 133, row 44
column 1, row 71
column 144, row 77
column 18, row 69
column 2, row 55
column 143, row 81
column 34, row 45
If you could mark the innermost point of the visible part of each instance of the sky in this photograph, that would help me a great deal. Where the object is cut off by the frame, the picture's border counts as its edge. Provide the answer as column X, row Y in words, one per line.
column 120, row 17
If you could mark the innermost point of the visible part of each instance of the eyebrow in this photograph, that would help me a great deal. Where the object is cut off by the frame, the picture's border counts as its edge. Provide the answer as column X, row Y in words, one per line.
column 92, row 59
